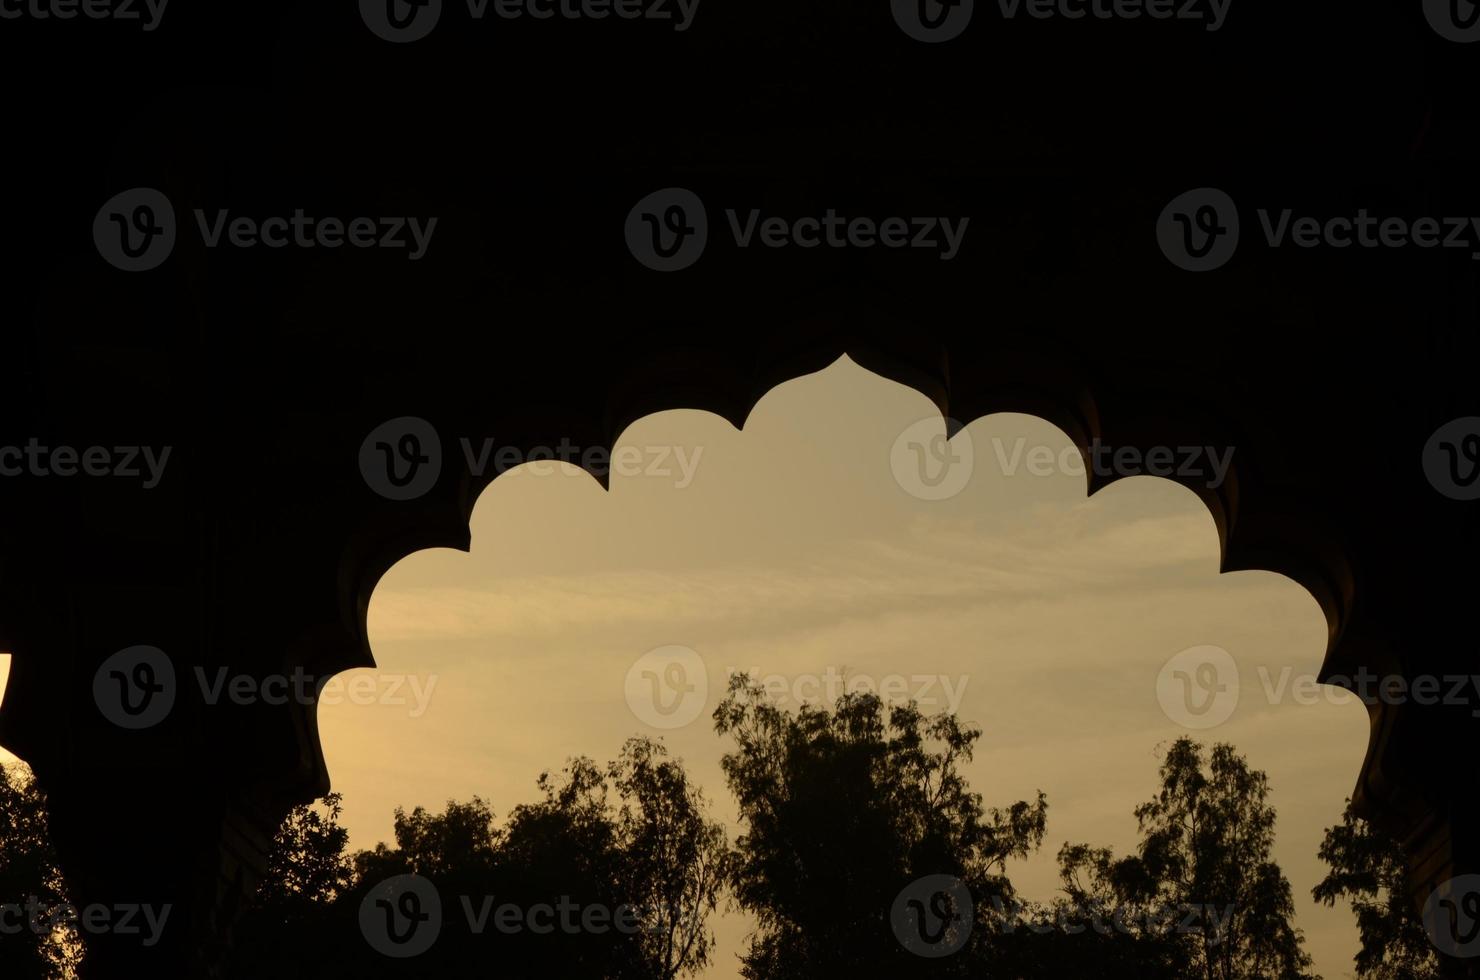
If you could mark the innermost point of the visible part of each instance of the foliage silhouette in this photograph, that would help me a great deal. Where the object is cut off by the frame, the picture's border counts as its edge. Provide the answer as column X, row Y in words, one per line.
column 1204, row 867
column 308, row 872
column 28, row 870
column 1367, row 869
column 844, row 808
column 630, row 843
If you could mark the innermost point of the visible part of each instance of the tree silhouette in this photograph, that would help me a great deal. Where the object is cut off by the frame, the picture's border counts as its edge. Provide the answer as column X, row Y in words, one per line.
column 459, row 841
column 283, row 933
column 1091, row 929
column 564, row 848
column 651, row 857
column 1367, row 869
column 675, row 858
column 624, row 859
column 1203, row 870
column 307, row 863
column 844, row 809
column 44, row 946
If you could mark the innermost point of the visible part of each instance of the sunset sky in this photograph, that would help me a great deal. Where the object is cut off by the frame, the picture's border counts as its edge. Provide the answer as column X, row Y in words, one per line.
column 797, row 548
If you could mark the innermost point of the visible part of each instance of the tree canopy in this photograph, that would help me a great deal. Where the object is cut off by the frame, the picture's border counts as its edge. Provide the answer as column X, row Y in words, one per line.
column 862, row 850
column 1367, row 870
